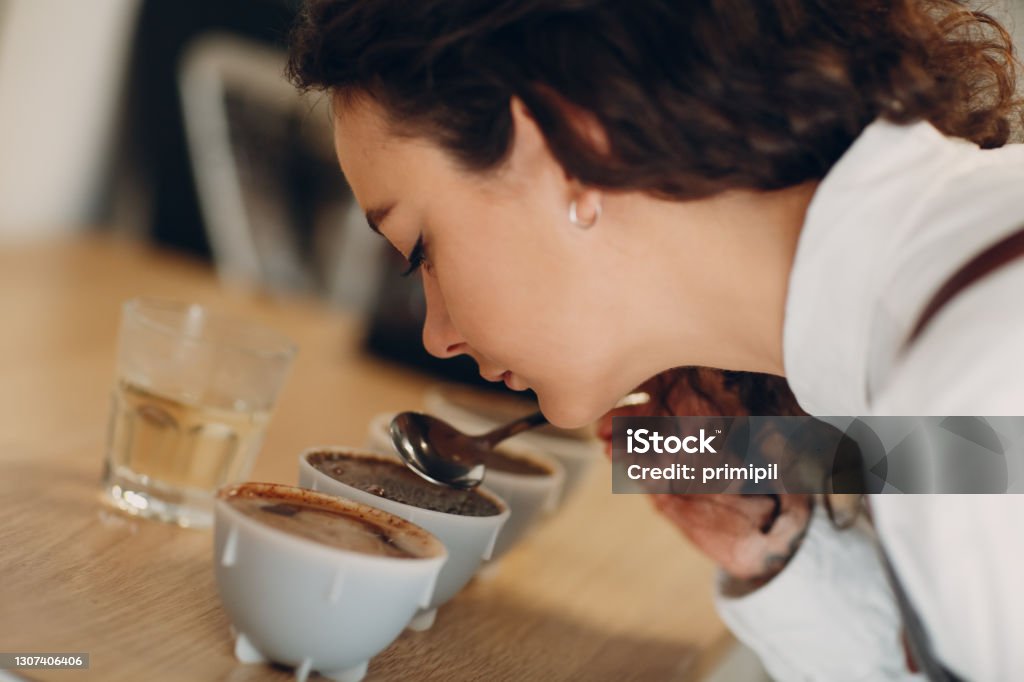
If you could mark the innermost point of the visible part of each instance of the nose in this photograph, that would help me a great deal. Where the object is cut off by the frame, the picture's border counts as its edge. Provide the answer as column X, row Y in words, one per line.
column 440, row 337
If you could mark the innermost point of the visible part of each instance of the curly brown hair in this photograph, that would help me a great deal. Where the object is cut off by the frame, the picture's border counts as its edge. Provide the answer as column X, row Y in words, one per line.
column 695, row 97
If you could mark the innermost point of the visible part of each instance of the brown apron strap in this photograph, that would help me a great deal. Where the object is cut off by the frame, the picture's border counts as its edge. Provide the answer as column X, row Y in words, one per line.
column 916, row 642
column 994, row 257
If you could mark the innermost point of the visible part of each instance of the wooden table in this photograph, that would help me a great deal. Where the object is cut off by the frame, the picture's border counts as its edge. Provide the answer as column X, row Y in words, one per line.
column 606, row 590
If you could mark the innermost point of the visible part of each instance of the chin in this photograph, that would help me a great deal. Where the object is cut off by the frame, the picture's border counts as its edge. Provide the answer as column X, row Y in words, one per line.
column 569, row 411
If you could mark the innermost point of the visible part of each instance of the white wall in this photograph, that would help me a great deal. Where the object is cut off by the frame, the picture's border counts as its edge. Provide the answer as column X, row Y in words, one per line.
column 1016, row 11
column 62, row 64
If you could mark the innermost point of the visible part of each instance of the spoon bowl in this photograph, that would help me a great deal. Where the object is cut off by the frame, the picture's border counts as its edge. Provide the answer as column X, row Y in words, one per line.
column 442, row 454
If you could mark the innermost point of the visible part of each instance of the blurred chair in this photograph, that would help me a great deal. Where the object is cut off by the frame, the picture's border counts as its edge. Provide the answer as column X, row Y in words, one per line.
column 274, row 203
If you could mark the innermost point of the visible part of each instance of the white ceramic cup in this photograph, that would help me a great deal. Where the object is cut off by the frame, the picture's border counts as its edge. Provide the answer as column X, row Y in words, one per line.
column 314, row 606
column 576, row 454
column 529, row 498
column 469, row 539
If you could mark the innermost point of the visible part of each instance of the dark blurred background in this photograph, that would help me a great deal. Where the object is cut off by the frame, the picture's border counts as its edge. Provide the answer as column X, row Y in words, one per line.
column 170, row 121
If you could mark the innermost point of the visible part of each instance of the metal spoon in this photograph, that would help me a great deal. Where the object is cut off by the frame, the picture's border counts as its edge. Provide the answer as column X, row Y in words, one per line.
column 440, row 453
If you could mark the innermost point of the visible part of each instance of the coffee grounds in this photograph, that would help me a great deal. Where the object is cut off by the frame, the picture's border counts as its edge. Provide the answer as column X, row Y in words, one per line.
column 393, row 481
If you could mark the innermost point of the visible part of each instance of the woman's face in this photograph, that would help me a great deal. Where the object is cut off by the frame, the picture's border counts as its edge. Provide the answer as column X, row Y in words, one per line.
column 509, row 280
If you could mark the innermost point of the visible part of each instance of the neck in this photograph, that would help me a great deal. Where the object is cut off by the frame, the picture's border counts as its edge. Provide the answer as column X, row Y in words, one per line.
column 725, row 306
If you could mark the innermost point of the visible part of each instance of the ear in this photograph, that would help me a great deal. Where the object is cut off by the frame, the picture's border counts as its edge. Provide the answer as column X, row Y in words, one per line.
column 531, row 158
column 531, row 152
column 584, row 122
column 528, row 144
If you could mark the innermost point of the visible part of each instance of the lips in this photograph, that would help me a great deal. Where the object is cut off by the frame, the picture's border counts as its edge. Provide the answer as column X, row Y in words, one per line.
column 508, row 377
column 514, row 382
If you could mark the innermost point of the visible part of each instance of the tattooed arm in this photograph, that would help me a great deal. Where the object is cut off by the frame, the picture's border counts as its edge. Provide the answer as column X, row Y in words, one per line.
column 752, row 537
column 810, row 600
column 745, row 535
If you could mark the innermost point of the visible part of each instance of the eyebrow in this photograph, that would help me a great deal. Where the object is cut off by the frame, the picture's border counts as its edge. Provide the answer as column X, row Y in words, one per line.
column 375, row 216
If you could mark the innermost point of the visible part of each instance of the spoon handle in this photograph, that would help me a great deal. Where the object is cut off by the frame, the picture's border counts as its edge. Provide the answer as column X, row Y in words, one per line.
column 526, row 423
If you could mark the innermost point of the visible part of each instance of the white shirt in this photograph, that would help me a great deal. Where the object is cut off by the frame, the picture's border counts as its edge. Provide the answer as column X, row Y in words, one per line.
column 900, row 212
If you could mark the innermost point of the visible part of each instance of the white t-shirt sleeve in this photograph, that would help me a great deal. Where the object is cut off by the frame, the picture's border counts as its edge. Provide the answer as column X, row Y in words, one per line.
column 828, row 615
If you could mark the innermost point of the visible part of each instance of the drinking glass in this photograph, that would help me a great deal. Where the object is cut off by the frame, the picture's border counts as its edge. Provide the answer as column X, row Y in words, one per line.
column 191, row 402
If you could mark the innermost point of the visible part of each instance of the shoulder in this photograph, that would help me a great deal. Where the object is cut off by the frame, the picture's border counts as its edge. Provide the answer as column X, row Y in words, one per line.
column 970, row 359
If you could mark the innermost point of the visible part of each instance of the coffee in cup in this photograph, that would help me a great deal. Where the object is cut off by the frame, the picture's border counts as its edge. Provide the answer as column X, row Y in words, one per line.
column 317, row 582
column 466, row 521
column 528, row 481
column 394, row 481
column 302, row 514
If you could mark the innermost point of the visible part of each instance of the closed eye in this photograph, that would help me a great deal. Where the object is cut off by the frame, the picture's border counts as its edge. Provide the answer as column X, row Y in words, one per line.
column 416, row 257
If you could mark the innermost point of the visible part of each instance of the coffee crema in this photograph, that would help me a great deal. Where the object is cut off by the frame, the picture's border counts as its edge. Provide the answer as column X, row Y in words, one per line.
column 371, row 532
column 393, row 481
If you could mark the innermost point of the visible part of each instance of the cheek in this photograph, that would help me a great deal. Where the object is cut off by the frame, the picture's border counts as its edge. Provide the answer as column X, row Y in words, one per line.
column 520, row 293
column 501, row 282
column 531, row 321
column 497, row 308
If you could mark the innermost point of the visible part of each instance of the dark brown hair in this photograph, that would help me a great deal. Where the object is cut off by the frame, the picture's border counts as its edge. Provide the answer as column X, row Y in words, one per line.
column 696, row 97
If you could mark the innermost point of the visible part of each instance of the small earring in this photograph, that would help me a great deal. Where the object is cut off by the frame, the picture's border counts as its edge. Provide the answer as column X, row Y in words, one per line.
column 575, row 219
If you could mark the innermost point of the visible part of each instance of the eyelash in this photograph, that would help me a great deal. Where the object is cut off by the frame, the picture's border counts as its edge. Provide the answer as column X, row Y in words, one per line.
column 416, row 258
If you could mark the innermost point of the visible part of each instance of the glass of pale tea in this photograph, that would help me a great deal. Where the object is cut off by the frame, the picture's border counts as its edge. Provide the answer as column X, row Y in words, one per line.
column 193, row 395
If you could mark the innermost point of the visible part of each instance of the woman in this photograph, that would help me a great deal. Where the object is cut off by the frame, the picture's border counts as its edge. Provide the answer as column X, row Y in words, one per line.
column 595, row 192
